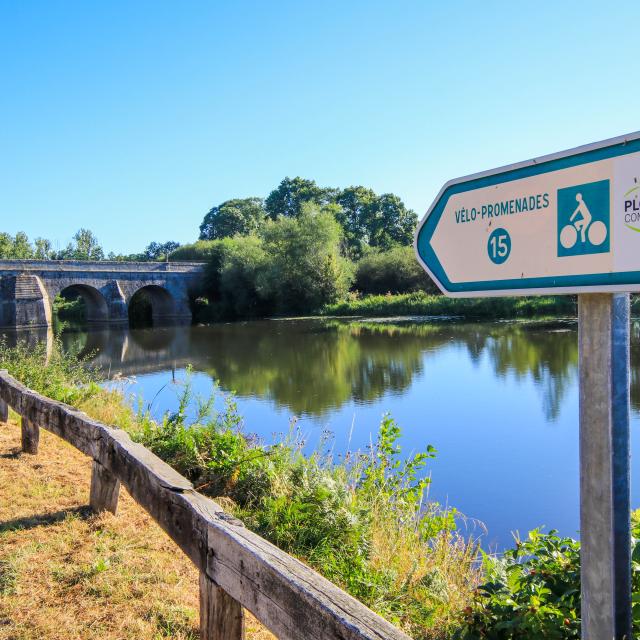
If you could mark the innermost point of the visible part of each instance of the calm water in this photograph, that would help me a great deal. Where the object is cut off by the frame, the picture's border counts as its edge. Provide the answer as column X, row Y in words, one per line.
column 499, row 401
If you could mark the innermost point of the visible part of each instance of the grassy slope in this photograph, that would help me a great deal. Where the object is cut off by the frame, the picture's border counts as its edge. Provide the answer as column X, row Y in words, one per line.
column 66, row 573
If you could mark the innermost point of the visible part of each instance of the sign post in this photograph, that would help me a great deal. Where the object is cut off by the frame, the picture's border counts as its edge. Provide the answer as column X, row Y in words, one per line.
column 568, row 223
column 604, row 466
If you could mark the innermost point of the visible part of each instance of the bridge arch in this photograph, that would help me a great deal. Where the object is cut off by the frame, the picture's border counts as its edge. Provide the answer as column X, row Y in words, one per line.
column 96, row 306
column 152, row 304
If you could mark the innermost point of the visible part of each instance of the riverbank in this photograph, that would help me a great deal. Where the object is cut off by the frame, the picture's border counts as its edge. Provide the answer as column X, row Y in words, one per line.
column 363, row 522
column 423, row 304
column 68, row 573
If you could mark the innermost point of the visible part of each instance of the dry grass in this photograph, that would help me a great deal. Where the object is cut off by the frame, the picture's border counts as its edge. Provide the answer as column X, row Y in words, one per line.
column 66, row 573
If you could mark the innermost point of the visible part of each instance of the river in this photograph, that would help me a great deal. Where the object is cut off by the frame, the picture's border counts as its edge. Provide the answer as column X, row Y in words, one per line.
column 499, row 401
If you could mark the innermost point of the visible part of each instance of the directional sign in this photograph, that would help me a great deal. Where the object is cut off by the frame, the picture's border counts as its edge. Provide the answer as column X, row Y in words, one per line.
column 564, row 223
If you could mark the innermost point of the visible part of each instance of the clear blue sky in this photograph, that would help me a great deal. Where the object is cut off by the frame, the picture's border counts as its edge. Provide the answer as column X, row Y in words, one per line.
column 134, row 118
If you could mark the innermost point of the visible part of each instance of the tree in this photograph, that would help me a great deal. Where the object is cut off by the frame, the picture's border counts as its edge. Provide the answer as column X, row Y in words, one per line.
column 389, row 222
column 292, row 193
column 85, row 246
column 43, row 249
column 159, row 250
column 15, row 248
column 233, row 217
column 6, row 246
column 355, row 204
column 22, row 249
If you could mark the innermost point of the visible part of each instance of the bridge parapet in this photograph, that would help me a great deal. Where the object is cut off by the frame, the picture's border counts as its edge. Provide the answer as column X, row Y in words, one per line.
column 104, row 266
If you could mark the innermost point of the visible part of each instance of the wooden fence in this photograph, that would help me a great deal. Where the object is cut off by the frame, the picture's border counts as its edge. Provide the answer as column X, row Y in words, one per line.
column 238, row 569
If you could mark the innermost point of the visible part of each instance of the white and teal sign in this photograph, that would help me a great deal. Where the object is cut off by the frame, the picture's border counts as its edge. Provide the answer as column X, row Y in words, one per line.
column 565, row 223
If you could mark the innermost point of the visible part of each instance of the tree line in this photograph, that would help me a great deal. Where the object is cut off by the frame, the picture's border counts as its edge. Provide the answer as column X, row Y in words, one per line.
column 302, row 247
column 84, row 246
column 367, row 219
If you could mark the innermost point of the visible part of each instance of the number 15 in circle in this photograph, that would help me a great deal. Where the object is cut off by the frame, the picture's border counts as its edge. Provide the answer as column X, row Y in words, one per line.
column 499, row 246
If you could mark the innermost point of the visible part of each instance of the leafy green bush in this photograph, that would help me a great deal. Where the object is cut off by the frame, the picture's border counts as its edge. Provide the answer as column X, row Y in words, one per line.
column 199, row 251
column 69, row 310
column 393, row 271
column 533, row 591
column 304, row 269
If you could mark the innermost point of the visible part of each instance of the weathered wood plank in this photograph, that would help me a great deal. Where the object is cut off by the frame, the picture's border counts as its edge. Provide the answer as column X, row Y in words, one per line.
column 289, row 598
column 221, row 617
column 105, row 489
column 4, row 411
column 30, row 436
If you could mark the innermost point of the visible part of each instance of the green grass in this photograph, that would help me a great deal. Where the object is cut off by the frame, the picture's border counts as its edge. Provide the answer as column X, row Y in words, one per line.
column 423, row 304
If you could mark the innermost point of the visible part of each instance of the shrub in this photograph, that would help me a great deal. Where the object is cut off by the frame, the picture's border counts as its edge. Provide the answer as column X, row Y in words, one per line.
column 533, row 590
column 393, row 271
column 199, row 251
column 304, row 269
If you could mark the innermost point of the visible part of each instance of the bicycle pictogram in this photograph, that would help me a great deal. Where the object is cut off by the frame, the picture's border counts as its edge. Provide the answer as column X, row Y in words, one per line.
column 594, row 231
column 583, row 219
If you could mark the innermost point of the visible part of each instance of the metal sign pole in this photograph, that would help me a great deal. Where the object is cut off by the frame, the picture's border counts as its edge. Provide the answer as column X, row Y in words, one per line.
column 605, row 528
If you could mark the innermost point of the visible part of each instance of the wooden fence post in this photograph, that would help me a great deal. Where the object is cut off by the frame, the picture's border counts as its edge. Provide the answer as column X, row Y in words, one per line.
column 221, row 617
column 105, row 489
column 4, row 411
column 30, row 436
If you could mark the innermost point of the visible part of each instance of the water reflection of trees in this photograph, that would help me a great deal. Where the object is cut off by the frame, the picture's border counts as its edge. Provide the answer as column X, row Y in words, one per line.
column 548, row 355
column 311, row 367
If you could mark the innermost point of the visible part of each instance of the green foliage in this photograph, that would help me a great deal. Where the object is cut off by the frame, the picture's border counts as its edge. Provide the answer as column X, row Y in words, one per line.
column 15, row 248
column 393, row 271
column 304, row 270
column 55, row 374
column 532, row 591
column 323, row 511
column 293, row 266
column 290, row 196
column 199, row 251
column 230, row 283
column 85, row 246
column 233, row 217
column 423, row 304
column 69, row 309
column 154, row 251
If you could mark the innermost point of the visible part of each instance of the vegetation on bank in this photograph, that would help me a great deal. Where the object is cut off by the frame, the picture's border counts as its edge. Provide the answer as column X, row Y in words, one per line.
column 423, row 304
column 363, row 521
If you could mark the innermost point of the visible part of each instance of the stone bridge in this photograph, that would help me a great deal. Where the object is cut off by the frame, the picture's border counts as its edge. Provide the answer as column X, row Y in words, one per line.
column 28, row 287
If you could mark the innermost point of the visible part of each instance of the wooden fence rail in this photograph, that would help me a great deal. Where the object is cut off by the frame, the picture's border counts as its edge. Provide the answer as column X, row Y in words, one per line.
column 238, row 569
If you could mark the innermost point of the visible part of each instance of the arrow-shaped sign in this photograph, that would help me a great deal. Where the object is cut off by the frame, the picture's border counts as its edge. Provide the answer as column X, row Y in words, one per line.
column 564, row 223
